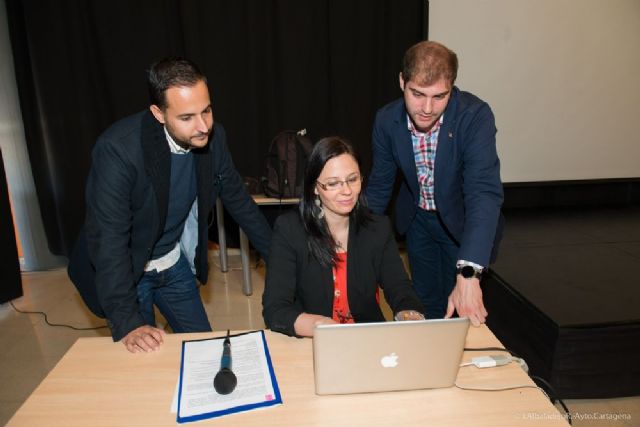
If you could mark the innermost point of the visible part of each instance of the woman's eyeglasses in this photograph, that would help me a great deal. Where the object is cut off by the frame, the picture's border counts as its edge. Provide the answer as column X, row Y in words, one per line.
column 353, row 181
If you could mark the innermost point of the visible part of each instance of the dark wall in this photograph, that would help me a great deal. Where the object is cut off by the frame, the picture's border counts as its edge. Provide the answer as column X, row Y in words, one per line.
column 562, row 194
column 324, row 65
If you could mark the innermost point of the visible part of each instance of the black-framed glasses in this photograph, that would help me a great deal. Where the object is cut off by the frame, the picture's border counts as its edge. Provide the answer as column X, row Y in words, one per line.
column 353, row 181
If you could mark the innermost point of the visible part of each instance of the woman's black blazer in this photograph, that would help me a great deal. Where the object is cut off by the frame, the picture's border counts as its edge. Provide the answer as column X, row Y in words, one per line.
column 296, row 282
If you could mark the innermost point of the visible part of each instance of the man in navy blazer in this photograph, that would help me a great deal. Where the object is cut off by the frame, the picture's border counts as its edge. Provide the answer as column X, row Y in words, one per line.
column 153, row 182
column 443, row 141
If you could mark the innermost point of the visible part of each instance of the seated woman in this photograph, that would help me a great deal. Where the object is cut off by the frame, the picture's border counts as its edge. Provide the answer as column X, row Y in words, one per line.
column 327, row 260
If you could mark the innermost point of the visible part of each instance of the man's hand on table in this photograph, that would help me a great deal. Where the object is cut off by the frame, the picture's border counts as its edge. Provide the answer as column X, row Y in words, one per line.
column 143, row 339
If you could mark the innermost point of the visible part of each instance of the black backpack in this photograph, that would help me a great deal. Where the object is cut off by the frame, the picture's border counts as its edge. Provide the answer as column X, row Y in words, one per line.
column 286, row 163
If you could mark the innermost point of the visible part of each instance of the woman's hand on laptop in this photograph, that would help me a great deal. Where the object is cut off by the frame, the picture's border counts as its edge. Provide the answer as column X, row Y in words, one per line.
column 306, row 323
column 408, row 315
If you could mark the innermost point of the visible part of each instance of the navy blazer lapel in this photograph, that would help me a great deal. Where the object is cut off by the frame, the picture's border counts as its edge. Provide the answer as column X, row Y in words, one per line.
column 204, row 175
column 445, row 149
column 205, row 201
column 157, row 164
column 404, row 148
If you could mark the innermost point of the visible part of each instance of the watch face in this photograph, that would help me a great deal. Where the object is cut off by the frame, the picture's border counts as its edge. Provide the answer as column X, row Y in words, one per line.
column 467, row 272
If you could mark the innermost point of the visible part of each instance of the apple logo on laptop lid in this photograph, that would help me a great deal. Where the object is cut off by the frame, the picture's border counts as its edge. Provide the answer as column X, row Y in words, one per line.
column 389, row 361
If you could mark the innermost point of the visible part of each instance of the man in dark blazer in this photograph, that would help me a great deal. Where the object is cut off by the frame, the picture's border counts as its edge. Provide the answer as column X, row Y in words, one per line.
column 153, row 182
column 443, row 141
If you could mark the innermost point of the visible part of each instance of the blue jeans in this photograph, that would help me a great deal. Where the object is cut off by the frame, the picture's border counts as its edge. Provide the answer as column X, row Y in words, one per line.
column 175, row 292
column 432, row 257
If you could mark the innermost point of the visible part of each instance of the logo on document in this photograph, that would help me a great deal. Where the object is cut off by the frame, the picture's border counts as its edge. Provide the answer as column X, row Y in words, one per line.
column 389, row 361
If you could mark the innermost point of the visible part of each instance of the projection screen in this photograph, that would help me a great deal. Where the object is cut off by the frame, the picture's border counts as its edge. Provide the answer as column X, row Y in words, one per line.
column 562, row 78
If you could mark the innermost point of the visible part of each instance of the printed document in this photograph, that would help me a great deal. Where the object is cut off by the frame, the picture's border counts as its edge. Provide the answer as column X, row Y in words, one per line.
column 257, row 386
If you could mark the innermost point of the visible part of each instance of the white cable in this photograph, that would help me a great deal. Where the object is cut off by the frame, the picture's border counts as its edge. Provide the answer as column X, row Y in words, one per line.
column 513, row 387
column 498, row 360
column 522, row 363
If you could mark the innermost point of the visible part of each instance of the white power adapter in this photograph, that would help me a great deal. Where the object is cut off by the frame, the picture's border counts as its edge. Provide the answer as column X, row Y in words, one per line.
column 491, row 361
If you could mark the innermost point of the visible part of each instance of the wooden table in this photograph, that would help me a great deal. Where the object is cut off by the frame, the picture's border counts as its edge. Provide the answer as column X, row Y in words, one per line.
column 261, row 200
column 98, row 383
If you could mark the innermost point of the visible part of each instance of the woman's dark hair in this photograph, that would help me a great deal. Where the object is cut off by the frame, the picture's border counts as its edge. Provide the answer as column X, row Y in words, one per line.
column 321, row 243
column 171, row 72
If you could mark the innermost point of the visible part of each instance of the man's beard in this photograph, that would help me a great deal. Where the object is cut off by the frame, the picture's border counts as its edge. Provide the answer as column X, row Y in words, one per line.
column 185, row 143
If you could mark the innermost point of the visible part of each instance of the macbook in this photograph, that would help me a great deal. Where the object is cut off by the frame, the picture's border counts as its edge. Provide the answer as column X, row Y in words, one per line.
column 372, row 357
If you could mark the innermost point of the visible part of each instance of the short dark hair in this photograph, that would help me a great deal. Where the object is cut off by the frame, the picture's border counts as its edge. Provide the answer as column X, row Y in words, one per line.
column 428, row 61
column 321, row 244
column 171, row 72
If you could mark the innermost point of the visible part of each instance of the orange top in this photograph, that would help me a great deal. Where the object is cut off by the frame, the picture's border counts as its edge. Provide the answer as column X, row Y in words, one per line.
column 341, row 311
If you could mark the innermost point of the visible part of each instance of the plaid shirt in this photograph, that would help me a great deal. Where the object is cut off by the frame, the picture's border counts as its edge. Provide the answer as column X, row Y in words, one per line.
column 424, row 151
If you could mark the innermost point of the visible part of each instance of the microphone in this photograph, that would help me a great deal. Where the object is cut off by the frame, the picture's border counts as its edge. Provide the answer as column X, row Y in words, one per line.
column 225, row 380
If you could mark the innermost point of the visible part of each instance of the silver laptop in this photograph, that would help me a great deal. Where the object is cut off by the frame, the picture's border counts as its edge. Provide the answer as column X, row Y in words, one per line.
column 372, row 357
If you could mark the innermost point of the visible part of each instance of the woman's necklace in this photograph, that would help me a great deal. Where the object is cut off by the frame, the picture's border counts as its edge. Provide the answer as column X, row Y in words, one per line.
column 341, row 241
column 340, row 234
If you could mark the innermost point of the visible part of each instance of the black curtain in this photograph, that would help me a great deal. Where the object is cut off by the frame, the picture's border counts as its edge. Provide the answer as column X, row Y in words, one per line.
column 323, row 65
